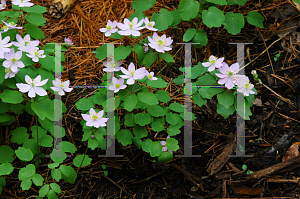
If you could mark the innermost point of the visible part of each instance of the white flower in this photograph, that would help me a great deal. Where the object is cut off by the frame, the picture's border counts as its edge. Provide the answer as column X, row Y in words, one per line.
column 25, row 44
column 149, row 25
column 110, row 67
column 164, row 144
column 33, row 86
column 227, row 74
column 22, row 3
column 131, row 74
column 95, row 119
column 4, row 45
column 150, row 75
column 60, row 86
column 10, row 25
column 130, row 27
column 117, row 84
column 35, row 54
column 213, row 63
column 110, row 28
column 9, row 73
column 12, row 60
column 2, row 5
column 244, row 85
column 160, row 44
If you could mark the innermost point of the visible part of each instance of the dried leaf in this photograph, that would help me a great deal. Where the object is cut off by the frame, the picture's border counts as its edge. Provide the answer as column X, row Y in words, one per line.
column 291, row 153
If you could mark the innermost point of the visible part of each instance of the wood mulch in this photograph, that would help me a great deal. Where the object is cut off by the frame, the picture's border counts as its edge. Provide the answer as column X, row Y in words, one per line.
column 275, row 119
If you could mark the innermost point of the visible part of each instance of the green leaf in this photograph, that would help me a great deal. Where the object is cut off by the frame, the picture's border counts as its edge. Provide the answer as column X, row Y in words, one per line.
column 226, row 98
column 206, row 80
column 163, row 96
column 19, row 135
column 2, row 74
column 101, row 52
column 159, row 83
column 35, row 19
column 218, row 2
column 225, row 112
column 239, row 2
column 67, row 147
column 137, row 14
column 189, row 34
column 47, row 63
column 155, row 110
column 139, row 50
column 56, row 174
column 176, row 17
column 26, row 184
column 172, row 144
column 140, row 131
column 68, row 173
column 11, row 96
column 24, row 154
column 58, row 156
column 173, row 130
column 172, row 118
column 6, row 169
column 130, row 102
column 137, row 142
column 55, row 187
column 35, row 9
column 45, row 74
column 155, row 149
column 85, row 104
column 165, row 157
column 162, row 20
column 145, row 145
column 78, row 159
column 150, row 58
column 92, row 143
column 103, row 166
column 142, row 5
column 122, row 52
column 244, row 167
column 188, row 9
column 208, row 93
column 2, row 182
column 51, row 195
column 37, row 179
column 34, row 31
column 213, row 17
column 129, row 120
column 44, row 190
column 158, row 124
column 234, row 22
column 11, row 14
column 4, row 117
column 200, row 37
column 105, row 173
column 124, row 137
column 167, row 57
column 44, row 108
column 198, row 70
column 142, row 119
column 179, row 80
column 256, row 19
column 177, row 107
column 148, row 98
column 17, row 108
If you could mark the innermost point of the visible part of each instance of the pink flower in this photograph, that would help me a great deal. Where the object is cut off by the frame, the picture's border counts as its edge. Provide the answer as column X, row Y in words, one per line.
column 110, row 28
column 244, row 85
column 2, row 5
column 145, row 48
column 164, row 144
column 4, row 45
column 130, row 27
column 213, row 63
column 160, row 44
column 25, row 44
column 131, row 74
column 95, row 119
column 12, row 60
column 149, row 25
column 227, row 74
column 32, row 86
column 68, row 41
column 117, row 84
column 22, row 3
column 150, row 75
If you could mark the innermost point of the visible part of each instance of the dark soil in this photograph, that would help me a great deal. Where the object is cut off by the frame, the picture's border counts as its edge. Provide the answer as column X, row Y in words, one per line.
column 135, row 175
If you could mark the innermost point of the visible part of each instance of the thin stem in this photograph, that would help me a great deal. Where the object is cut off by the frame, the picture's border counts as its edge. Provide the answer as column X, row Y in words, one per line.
column 159, row 65
column 37, row 140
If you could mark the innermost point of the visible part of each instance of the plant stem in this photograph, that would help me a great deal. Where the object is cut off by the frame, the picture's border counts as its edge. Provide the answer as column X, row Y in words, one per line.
column 37, row 140
column 159, row 65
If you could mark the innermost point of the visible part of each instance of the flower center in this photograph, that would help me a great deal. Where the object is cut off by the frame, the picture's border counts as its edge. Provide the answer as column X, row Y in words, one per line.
column 247, row 86
column 161, row 43
column 3, row 5
column 230, row 74
column 7, row 70
column 117, row 85
column 108, row 27
column 131, row 25
column 149, row 24
column 94, row 117
column 12, row 23
column 213, row 61
column 5, row 27
column 62, row 85
column 150, row 76
column 13, row 59
column 26, row 43
column 36, row 53
column 132, row 72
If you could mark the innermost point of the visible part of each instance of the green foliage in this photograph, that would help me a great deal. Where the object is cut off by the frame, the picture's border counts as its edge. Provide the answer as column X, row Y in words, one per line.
column 163, row 19
column 234, row 22
column 255, row 19
column 142, row 5
column 188, row 9
column 213, row 17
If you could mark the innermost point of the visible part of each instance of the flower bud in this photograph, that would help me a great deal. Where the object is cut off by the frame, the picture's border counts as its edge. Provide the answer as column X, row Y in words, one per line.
column 92, row 136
